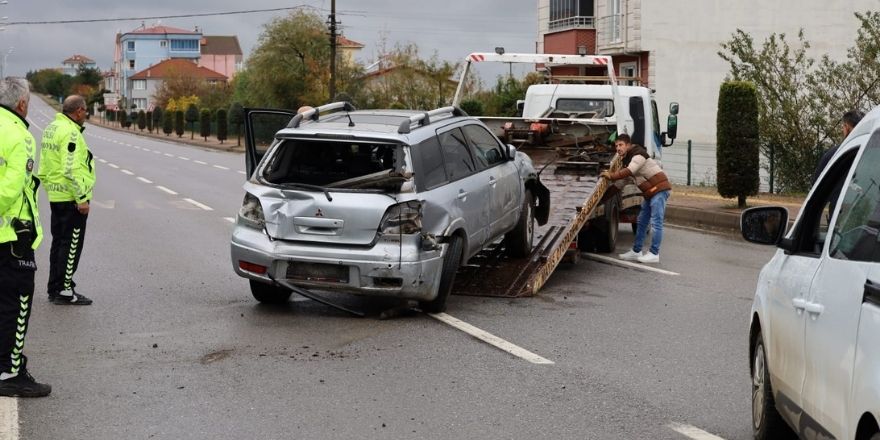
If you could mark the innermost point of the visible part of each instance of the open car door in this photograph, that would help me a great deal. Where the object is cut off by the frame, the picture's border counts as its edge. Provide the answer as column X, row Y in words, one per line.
column 260, row 126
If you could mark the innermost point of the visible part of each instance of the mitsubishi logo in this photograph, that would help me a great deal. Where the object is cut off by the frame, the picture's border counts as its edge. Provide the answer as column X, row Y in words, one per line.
column 319, row 213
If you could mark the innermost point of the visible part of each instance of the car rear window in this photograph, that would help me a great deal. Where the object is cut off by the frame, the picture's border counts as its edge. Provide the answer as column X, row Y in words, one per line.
column 336, row 164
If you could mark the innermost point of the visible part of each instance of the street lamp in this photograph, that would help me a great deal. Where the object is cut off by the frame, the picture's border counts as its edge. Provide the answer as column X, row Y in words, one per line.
column 3, row 65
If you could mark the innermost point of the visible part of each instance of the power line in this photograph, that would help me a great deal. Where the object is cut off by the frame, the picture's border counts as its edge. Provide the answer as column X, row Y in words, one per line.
column 157, row 17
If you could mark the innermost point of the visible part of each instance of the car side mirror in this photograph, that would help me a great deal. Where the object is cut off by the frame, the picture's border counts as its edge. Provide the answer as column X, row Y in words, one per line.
column 764, row 224
column 511, row 152
column 673, row 108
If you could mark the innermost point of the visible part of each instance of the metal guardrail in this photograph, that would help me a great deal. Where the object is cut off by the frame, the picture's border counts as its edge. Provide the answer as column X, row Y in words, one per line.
column 576, row 22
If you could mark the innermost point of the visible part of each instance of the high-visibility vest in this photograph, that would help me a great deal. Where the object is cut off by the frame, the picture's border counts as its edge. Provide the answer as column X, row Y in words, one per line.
column 67, row 167
column 18, row 185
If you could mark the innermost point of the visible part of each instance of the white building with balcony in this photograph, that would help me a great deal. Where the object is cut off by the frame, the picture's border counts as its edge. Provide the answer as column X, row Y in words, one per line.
column 672, row 46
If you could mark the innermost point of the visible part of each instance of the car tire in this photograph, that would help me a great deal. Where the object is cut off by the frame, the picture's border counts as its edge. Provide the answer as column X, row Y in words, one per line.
column 767, row 423
column 608, row 226
column 447, row 277
column 518, row 242
column 268, row 293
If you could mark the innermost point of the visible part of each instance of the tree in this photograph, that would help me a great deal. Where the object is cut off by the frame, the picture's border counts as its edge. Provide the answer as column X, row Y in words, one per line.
column 124, row 120
column 472, row 107
column 289, row 66
column 167, row 122
column 157, row 118
column 178, row 123
column 738, row 154
column 800, row 100
column 141, row 120
column 192, row 115
column 408, row 81
column 205, row 124
column 236, row 118
column 222, row 125
column 149, row 121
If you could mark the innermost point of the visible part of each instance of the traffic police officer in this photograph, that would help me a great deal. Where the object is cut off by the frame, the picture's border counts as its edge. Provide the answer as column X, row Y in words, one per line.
column 20, row 234
column 67, row 169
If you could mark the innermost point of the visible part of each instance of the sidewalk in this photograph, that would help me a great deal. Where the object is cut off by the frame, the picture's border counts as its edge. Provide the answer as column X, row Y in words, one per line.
column 702, row 207
column 692, row 206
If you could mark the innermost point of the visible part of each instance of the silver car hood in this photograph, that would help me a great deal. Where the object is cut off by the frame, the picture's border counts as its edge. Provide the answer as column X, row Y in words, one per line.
column 351, row 218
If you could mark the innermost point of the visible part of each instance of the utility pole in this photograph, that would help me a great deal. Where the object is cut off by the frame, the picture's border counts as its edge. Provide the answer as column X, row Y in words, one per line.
column 332, row 49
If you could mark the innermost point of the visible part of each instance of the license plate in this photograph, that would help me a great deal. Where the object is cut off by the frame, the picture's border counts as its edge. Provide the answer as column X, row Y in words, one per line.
column 332, row 273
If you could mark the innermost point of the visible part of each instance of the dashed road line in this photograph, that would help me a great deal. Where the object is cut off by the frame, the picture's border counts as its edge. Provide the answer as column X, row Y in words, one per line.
column 200, row 205
column 169, row 154
column 490, row 339
column 200, row 162
column 8, row 418
column 182, row 158
column 220, row 167
column 144, row 180
column 229, row 219
column 241, row 172
column 162, row 188
column 124, row 171
column 112, row 165
column 147, row 149
column 692, row 432
column 639, row 266
column 102, row 160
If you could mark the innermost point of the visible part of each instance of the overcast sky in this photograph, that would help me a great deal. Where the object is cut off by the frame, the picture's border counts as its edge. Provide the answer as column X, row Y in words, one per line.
column 453, row 28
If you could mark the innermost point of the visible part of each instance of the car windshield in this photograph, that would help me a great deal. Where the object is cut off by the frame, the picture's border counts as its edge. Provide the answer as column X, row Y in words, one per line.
column 336, row 164
column 593, row 108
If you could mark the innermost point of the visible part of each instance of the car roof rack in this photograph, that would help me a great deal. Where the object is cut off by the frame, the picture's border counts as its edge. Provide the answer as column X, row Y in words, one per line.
column 313, row 114
column 425, row 118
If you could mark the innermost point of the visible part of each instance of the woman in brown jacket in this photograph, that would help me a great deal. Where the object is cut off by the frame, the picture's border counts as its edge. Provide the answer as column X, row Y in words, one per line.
column 655, row 188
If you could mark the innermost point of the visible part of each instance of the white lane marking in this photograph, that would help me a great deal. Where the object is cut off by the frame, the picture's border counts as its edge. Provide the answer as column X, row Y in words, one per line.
column 625, row 263
column 112, row 165
column 200, row 205
column 229, row 219
column 147, row 150
column 102, row 160
column 241, row 172
column 490, row 339
column 220, row 167
column 136, row 147
column 182, row 158
column 8, row 418
column 200, row 162
column 145, row 180
column 162, row 188
column 157, row 152
column 169, row 154
column 124, row 171
column 692, row 432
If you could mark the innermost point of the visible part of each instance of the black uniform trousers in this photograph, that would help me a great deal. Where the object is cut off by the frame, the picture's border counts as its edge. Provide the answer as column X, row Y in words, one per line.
column 68, row 237
column 17, row 267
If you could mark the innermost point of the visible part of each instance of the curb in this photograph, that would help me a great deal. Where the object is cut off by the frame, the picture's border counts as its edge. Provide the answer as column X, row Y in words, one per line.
column 703, row 219
column 231, row 148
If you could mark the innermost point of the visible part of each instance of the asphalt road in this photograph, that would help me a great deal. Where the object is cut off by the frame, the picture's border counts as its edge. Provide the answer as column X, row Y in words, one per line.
column 174, row 347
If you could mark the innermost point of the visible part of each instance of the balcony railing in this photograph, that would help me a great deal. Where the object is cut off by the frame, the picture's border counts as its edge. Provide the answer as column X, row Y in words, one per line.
column 609, row 30
column 576, row 22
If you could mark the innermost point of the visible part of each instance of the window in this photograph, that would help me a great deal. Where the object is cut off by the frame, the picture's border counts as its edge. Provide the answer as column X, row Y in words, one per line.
column 139, row 84
column 456, row 154
column 185, row 45
column 855, row 234
column 655, row 122
column 130, row 46
column 131, row 64
column 597, row 108
column 487, row 150
column 571, row 13
column 430, row 172
column 140, row 103
column 163, row 43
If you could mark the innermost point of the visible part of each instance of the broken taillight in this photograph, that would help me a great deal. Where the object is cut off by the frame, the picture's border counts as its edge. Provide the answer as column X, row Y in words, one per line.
column 402, row 218
column 251, row 212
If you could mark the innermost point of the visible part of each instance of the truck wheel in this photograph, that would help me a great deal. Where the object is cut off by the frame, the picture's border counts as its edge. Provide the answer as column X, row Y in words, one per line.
column 605, row 231
column 634, row 226
column 518, row 242
column 766, row 422
column 268, row 293
column 447, row 277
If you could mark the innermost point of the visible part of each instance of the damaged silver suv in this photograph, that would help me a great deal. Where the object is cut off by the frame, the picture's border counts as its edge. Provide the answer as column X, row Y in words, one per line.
column 377, row 202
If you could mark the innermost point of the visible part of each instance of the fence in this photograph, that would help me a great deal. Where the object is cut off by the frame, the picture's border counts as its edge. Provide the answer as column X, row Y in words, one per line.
column 690, row 163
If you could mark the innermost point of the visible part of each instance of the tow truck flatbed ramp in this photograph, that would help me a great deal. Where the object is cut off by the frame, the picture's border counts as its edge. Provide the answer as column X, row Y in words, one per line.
column 575, row 192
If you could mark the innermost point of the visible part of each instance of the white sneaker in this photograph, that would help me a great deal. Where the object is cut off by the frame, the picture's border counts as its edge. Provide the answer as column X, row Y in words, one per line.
column 630, row 255
column 649, row 258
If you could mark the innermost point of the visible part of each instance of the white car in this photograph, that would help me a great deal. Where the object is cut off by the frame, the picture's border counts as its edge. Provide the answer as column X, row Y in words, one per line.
column 814, row 340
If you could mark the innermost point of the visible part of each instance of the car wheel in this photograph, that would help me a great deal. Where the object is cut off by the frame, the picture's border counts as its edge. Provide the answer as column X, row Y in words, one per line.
column 766, row 422
column 518, row 242
column 607, row 226
column 447, row 277
column 268, row 293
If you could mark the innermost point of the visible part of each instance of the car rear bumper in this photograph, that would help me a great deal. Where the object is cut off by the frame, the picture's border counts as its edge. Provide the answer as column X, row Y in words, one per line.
column 393, row 267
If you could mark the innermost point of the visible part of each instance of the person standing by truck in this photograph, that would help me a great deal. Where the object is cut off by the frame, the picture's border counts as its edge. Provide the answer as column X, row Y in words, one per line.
column 651, row 179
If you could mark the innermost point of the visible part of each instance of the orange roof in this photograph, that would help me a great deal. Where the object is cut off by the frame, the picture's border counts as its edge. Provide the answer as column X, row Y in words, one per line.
column 78, row 59
column 161, row 30
column 345, row 42
column 177, row 66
